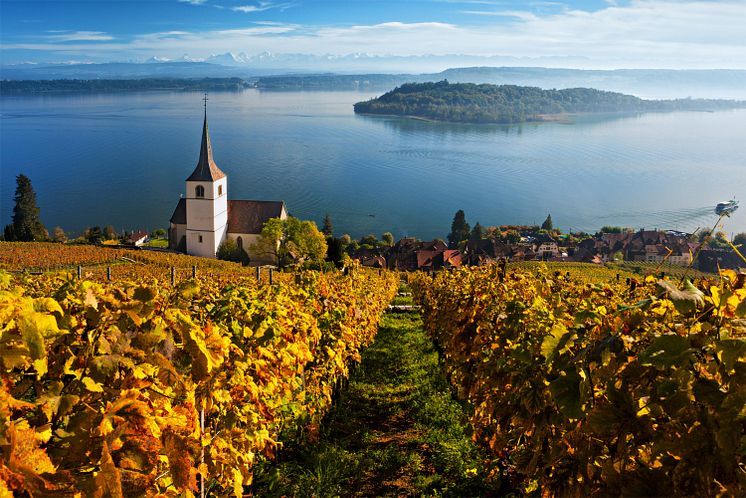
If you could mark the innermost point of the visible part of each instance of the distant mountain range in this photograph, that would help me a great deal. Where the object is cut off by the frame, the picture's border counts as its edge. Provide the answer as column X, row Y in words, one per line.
column 363, row 62
column 245, row 65
column 645, row 83
column 311, row 72
column 120, row 70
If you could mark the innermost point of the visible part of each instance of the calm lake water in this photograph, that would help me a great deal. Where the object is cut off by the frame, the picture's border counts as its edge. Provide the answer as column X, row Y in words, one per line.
column 122, row 159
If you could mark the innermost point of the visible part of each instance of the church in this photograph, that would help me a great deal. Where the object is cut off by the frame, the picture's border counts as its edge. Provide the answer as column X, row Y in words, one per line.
column 205, row 217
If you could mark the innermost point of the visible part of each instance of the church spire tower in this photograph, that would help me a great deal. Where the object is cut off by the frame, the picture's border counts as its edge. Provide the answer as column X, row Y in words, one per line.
column 206, row 169
column 206, row 201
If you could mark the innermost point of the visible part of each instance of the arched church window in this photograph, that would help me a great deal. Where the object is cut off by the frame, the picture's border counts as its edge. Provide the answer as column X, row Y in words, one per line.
column 239, row 241
column 199, row 191
column 220, row 190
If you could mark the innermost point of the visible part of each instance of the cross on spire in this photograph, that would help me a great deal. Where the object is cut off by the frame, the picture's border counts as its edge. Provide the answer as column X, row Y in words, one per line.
column 205, row 99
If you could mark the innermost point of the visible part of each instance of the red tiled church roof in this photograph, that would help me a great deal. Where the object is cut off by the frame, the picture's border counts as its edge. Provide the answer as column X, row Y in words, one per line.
column 250, row 216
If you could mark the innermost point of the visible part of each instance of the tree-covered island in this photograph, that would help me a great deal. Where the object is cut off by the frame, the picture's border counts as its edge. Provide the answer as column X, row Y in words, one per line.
column 504, row 104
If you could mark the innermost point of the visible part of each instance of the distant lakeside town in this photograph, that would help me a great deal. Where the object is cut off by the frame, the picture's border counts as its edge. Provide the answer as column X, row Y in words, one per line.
column 544, row 243
column 269, row 236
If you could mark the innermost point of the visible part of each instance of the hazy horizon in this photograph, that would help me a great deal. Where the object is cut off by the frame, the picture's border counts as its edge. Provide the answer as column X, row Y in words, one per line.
column 579, row 34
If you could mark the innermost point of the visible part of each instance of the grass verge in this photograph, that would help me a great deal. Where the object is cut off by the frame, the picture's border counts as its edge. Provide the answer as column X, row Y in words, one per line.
column 395, row 431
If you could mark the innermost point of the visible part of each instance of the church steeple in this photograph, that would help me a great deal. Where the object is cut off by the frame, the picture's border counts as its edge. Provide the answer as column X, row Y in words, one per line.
column 206, row 170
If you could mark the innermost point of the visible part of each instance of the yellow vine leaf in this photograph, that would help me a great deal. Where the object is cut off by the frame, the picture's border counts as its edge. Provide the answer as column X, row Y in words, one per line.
column 237, row 483
column 207, row 349
column 92, row 385
column 108, row 480
column 48, row 305
column 4, row 491
column 179, row 461
column 35, row 327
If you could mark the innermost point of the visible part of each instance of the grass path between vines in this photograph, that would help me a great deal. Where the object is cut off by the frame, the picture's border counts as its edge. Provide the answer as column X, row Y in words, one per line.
column 395, row 430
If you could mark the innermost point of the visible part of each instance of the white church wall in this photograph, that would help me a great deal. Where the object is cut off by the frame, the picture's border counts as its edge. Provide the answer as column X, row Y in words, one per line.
column 206, row 246
column 206, row 216
column 213, row 190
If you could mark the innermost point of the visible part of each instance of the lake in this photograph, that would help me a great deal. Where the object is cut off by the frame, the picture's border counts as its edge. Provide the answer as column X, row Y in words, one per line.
column 122, row 159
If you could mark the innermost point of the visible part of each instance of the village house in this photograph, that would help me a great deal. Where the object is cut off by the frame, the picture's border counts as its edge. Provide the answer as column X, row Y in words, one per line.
column 371, row 258
column 137, row 238
column 205, row 217
column 546, row 247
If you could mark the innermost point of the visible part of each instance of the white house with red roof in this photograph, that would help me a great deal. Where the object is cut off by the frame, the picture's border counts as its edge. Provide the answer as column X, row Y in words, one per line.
column 204, row 217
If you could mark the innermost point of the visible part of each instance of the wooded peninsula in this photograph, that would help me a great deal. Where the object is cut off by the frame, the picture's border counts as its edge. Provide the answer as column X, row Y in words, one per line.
column 505, row 104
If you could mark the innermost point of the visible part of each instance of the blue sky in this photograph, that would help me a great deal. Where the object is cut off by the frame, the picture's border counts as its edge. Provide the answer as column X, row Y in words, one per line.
column 604, row 33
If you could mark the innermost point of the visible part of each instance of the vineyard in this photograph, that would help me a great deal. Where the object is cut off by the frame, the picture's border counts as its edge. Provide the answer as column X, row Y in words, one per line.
column 581, row 380
column 581, row 272
column 605, row 389
column 138, row 387
column 102, row 264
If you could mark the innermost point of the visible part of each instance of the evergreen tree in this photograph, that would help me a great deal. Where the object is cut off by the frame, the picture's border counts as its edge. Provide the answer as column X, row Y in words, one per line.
column 334, row 251
column 26, row 223
column 477, row 232
column 327, row 229
column 547, row 225
column 9, row 234
column 459, row 229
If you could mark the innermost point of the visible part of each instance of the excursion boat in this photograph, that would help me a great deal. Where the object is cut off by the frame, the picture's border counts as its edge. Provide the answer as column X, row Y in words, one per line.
column 726, row 208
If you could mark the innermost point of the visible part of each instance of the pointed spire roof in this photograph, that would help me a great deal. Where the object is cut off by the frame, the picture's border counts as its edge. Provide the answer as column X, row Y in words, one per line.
column 206, row 170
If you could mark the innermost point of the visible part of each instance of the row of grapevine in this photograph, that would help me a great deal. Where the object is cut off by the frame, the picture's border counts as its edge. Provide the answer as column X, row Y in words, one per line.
column 141, row 390
column 43, row 255
column 583, row 272
column 585, row 389
column 148, row 272
column 49, row 255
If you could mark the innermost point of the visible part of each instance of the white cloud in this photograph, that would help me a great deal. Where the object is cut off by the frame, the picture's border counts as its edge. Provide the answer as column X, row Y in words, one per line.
column 194, row 2
column 517, row 14
column 248, row 8
column 640, row 33
column 261, row 7
column 66, row 36
column 249, row 32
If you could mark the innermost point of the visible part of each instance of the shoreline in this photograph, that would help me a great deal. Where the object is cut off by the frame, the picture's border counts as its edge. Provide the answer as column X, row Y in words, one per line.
column 539, row 119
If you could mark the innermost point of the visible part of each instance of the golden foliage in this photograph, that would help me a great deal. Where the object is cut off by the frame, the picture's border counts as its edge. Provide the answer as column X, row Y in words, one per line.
column 583, row 389
column 102, row 384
